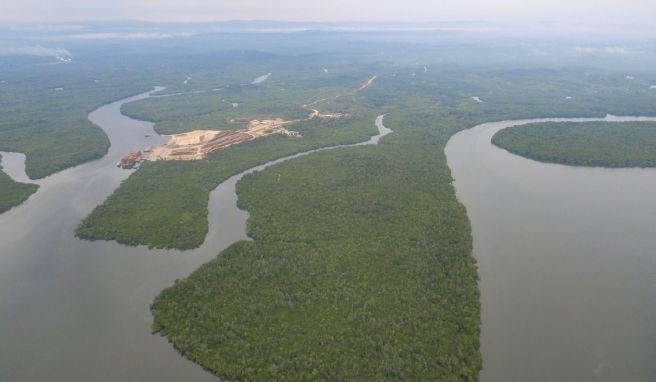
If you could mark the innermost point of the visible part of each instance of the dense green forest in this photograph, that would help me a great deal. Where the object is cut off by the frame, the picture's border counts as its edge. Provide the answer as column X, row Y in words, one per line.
column 379, row 229
column 361, row 269
column 361, row 265
column 134, row 214
column 280, row 96
column 13, row 193
column 44, row 114
column 602, row 144
column 342, row 238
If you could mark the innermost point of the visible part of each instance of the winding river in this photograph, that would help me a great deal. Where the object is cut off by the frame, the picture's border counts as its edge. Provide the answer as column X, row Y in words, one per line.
column 565, row 255
column 74, row 310
column 567, row 262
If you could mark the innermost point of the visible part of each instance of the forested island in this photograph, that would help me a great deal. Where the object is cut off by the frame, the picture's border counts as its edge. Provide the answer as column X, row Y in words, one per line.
column 599, row 144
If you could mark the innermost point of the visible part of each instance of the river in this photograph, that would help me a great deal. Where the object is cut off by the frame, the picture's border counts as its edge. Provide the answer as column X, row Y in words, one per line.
column 566, row 259
column 13, row 164
column 565, row 255
column 74, row 310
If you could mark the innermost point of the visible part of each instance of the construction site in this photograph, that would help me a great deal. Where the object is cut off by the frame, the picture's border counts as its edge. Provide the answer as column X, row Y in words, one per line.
column 197, row 144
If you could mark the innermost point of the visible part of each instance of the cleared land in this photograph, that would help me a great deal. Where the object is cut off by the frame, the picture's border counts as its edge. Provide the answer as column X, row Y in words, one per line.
column 369, row 82
column 184, row 225
column 197, row 144
column 315, row 112
column 164, row 203
column 601, row 144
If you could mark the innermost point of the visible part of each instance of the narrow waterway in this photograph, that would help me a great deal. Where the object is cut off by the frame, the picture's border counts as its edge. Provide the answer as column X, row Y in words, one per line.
column 567, row 261
column 73, row 310
column 13, row 164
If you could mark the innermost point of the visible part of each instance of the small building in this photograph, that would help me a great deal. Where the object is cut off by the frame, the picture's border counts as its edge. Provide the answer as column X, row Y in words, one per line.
column 290, row 133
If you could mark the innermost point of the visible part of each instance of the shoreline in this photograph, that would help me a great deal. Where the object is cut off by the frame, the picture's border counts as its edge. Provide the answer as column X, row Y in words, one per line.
column 512, row 201
column 13, row 164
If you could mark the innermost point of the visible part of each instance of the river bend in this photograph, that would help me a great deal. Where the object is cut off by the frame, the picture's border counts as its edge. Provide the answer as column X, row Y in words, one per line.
column 75, row 310
column 566, row 259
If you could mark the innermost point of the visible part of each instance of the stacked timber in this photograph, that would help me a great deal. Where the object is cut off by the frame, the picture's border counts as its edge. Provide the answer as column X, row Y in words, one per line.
column 225, row 139
column 131, row 159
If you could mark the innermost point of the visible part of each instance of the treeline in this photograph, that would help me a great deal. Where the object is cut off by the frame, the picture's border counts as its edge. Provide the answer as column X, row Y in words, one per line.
column 601, row 144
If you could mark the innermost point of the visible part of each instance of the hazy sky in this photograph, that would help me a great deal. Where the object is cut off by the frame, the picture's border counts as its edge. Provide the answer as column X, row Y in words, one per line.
column 612, row 11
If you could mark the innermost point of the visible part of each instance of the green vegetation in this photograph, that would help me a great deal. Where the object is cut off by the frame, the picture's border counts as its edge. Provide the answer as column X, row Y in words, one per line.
column 361, row 267
column 44, row 115
column 213, row 108
column 363, row 272
column 206, row 111
column 44, row 106
column 41, row 125
column 164, row 204
column 13, row 193
column 135, row 215
column 603, row 144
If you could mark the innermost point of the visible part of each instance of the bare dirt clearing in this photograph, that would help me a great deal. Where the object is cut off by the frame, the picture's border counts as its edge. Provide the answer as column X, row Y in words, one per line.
column 197, row 144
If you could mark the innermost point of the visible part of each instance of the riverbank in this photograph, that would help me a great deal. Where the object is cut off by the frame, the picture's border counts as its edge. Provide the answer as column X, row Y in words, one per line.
column 94, row 295
column 15, row 185
column 133, row 214
column 593, row 144
column 74, row 283
column 564, row 257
